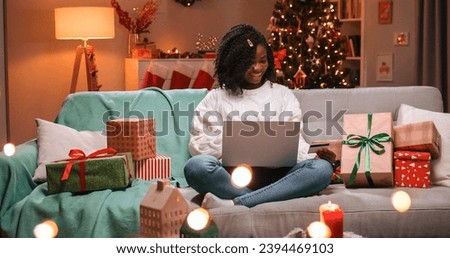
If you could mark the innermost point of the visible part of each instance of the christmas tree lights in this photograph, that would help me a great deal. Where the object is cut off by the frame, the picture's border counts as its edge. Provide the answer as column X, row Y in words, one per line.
column 307, row 44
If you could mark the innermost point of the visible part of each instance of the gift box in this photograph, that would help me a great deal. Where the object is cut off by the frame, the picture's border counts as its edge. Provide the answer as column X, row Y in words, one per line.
column 132, row 135
column 103, row 169
column 367, row 150
column 157, row 167
column 412, row 169
column 422, row 137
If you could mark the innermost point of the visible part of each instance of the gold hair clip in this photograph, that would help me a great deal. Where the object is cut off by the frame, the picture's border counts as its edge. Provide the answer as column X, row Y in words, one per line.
column 250, row 43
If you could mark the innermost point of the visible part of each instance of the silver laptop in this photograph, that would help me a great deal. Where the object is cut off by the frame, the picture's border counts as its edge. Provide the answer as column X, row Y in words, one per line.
column 260, row 144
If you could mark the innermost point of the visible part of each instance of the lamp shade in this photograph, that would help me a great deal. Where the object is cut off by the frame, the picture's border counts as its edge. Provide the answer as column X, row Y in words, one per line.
column 84, row 23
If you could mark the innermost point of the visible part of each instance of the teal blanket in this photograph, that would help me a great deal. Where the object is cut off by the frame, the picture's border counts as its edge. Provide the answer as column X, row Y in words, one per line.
column 104, row 213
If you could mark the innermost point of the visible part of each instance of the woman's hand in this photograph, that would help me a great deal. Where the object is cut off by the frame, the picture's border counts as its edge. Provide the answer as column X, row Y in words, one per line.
column 327, row 155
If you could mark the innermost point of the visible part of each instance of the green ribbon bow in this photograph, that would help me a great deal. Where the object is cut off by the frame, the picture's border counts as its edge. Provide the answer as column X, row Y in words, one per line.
column 368, row 143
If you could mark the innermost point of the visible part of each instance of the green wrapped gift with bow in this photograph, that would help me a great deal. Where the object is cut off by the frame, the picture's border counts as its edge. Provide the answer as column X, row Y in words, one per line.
column 367, row 150
column 102, row 169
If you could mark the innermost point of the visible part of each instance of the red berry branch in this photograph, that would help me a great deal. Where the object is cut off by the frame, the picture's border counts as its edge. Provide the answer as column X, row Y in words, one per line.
column 140, row 23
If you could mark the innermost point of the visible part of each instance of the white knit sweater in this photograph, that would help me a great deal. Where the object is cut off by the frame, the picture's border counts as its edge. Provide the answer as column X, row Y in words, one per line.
column 262, row 104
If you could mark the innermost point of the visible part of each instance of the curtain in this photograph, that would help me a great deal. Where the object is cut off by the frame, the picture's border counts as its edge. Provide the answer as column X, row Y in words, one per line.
column 432, row 46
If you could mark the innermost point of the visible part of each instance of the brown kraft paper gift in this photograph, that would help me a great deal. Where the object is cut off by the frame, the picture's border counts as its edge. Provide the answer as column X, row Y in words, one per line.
column 380, row 172
column 422, row 136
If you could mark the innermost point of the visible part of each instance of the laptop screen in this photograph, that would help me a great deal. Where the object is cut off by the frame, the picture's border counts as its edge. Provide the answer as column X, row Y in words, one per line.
column 260, row 143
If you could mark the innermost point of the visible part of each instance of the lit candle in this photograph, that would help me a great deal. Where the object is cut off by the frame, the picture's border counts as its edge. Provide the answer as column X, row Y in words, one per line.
column 333, row 217
column 327, row 207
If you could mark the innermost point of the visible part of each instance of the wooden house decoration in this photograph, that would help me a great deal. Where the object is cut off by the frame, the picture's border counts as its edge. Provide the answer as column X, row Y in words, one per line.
column 162, row 211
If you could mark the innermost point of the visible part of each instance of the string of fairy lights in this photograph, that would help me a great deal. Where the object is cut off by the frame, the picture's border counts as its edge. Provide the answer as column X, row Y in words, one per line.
column 307, row 44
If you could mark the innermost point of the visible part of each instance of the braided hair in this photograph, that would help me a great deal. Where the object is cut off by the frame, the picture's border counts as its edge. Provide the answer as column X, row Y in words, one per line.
column 236, row 54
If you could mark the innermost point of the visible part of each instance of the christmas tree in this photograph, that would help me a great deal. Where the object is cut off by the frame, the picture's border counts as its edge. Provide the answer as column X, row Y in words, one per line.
column 307, row 45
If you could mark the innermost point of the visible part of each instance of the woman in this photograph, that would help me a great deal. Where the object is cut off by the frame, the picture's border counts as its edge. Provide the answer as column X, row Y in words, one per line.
column 245, row 70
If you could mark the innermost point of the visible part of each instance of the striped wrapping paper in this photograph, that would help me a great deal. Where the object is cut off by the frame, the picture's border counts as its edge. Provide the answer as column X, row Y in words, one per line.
column 151, row 168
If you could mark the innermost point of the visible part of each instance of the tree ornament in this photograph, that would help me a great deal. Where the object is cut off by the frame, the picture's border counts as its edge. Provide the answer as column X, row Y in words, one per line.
column 300, row 78
column 310, row 41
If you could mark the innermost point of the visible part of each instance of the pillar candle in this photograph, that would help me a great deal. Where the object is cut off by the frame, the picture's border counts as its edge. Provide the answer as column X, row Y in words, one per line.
column 333, row 217
column 327, row 207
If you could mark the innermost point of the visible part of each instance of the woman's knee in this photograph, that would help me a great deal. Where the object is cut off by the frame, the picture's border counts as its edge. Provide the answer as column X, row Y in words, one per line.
column 200, row 164
column 324, row 168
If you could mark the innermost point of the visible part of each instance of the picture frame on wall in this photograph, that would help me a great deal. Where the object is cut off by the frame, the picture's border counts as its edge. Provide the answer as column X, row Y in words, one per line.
column 385, row 12
column 385, row 67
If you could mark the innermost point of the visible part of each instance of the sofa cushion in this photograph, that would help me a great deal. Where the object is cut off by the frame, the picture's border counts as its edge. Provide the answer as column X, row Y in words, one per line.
column 55, row 141
column 367, row 212
column 440, row 168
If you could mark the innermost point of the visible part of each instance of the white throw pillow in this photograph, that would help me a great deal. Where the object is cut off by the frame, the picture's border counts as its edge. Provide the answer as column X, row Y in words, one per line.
column 440, row 168
column 55, row 141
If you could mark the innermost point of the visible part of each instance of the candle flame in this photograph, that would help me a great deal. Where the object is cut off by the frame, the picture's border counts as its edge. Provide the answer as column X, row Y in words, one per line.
column 332, row 206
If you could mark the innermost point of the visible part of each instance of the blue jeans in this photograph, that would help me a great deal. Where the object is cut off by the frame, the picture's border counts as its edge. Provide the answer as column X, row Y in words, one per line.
column 205, row 173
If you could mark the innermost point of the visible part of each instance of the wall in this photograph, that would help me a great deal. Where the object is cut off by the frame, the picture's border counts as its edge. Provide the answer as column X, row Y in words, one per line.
column 39, row 67
column 380, row 39
column 3, row 119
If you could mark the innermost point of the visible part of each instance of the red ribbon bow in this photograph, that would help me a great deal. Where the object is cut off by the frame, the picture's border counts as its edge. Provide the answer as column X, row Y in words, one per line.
column 80, row 156
column 278, row 57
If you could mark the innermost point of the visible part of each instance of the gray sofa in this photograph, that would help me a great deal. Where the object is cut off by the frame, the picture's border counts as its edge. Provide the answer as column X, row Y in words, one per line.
column 368, row 212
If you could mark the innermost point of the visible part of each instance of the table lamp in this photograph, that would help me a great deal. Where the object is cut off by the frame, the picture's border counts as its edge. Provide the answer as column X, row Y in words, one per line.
column 84, row 23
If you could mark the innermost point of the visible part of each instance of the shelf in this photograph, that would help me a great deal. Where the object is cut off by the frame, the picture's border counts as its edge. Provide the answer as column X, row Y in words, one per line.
column 353, row 58
column 351, row 15
column 351, row 20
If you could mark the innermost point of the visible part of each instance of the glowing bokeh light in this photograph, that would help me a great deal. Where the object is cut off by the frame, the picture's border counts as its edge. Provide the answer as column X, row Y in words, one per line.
column 198, row 219
column 401, row 201
column 47, row 229
column 318, row 230
column 9, row 149
column 241, row 176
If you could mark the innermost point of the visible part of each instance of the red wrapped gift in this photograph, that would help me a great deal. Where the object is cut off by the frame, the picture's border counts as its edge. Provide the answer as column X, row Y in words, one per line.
column 157, row 167
column 422, row 137
column 132, row 135
column 367, row 150
column 412, row 169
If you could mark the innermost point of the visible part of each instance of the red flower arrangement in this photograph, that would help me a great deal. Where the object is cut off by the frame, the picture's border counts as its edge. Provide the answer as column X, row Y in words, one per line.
column 140, row 23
